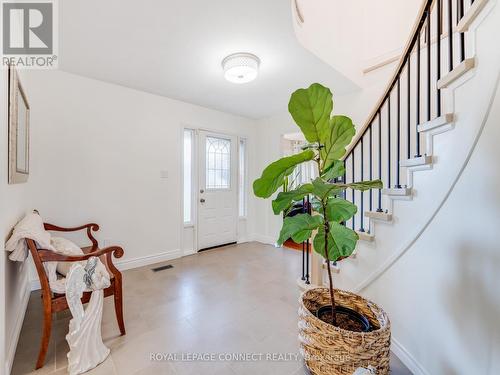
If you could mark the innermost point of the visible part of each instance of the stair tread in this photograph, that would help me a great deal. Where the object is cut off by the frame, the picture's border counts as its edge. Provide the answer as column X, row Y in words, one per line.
column 385, row 216
column 416, row 161
column 445, row 119
column 470, row 15
column 456, row 73
column 400, row 192
column 365, row 236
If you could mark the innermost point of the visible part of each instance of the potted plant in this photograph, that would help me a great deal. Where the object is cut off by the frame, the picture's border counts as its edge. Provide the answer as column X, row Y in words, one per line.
column 339, row 331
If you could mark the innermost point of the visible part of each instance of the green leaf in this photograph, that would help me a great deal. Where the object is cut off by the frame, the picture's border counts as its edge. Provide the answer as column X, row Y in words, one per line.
column 336, row 169
column 274, row 174
column 299, row 227
column 339, row 210
column 285, row 199
column 341, row 242
column 365, row 185
column 341, row 132
column 323, row 189
column 311, row 109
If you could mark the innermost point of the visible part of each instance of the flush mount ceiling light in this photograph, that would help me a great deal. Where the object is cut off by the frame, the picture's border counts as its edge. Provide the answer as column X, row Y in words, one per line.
column 241, row 67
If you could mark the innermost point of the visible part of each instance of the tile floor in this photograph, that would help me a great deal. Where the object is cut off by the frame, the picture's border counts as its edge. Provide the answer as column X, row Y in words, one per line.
column 238, row 299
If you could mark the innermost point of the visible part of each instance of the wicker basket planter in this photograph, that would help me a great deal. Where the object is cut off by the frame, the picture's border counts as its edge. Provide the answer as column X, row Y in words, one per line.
column 330, row 350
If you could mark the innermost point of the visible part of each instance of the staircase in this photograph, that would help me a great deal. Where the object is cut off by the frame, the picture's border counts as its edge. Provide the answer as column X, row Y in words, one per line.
column 419, row 138
column 433, row 91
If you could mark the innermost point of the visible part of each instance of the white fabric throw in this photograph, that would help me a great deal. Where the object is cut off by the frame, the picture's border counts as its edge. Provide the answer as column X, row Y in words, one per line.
column 64, row 247
column 84, row 337
column 31, row 226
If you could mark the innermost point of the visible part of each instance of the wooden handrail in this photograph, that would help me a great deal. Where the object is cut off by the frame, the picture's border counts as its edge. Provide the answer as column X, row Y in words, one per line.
column 421, row 18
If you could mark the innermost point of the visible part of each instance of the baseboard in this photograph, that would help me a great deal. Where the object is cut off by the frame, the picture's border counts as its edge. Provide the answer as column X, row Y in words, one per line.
column 268, row 240
column 35, row 284
column 11, row 351
column 149, row 259
column 408, row 360
column 189, row 252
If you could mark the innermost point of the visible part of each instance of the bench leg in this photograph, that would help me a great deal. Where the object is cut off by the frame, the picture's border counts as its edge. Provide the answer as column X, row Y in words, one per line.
column 47, row 326
column 119, row 304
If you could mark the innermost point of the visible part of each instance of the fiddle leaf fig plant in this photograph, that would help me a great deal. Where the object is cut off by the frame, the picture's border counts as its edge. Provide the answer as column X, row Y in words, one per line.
column 327, row 136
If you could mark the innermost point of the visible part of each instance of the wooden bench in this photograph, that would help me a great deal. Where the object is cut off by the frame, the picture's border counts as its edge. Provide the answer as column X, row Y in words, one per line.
column 53, row 302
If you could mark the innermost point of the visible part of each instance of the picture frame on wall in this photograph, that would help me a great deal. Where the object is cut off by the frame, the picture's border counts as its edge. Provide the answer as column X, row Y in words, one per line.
column 19, row 130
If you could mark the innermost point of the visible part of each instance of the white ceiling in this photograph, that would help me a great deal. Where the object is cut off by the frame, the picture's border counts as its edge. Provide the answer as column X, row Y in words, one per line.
column 174, row 48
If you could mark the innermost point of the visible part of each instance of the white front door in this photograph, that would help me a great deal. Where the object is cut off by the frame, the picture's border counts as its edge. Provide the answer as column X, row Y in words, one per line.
column 218, row 190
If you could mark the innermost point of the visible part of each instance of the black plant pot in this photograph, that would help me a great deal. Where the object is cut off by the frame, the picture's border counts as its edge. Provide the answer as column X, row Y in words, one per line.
column 351, row 314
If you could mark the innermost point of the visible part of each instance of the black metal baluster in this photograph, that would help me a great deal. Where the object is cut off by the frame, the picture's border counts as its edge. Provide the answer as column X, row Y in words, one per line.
column 353, row 191
column 389, row 140
column 362, row 229
column 379, row 208
column 450, row 35
column 408, row 111
column 428, row 63
column 371, row 166
column 417, row 105
column 398, row 136
column 438, row 55
column 344, row 178
column 303, row 246
column 303, row 261
column 308, row 252
column 460, row 14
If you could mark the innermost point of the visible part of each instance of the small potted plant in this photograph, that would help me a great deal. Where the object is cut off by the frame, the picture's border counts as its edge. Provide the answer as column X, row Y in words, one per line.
column 339, row 331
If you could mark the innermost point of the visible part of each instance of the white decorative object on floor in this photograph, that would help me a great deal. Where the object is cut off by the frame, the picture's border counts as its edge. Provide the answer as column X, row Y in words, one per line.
column 84, row 337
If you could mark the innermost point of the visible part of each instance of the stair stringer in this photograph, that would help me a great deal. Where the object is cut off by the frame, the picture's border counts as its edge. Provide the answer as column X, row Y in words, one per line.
column 469, row 98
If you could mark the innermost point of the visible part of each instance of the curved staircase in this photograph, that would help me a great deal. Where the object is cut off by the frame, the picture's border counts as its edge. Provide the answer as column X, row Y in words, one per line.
column 416, row 161
column 420, row 138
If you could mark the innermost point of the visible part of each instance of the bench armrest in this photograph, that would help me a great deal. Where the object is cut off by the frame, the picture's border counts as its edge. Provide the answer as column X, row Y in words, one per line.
column 90, row 227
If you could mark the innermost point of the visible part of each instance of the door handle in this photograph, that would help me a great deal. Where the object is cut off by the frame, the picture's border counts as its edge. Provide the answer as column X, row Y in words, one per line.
column 202, row 200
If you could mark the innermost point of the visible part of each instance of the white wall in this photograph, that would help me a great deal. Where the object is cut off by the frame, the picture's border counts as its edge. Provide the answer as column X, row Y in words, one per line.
column 99, row 151
column 352, row 35
column 15, row 200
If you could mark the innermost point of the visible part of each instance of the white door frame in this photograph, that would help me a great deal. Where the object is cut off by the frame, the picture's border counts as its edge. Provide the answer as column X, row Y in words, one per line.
column 195, row 178
column 221, row 203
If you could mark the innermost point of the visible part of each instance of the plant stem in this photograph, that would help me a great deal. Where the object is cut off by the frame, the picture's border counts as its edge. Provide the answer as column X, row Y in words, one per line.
column 327, row 232
column 332, row 297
